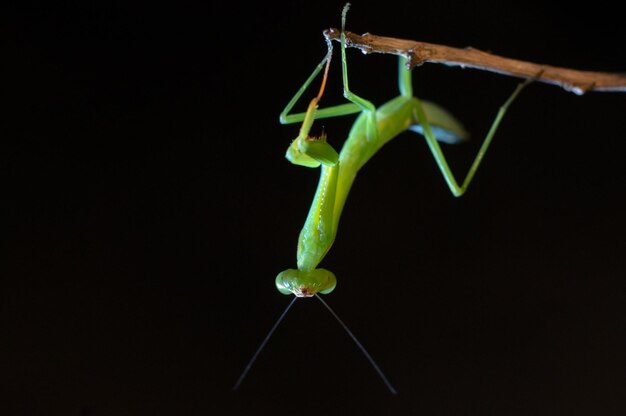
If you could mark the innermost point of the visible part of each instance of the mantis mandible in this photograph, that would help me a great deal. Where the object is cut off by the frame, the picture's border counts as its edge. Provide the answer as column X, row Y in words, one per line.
column 372, row 129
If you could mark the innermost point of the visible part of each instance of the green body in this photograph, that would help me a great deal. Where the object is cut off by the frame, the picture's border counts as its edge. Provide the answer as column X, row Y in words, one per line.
column 320, row 228
column 372, row 129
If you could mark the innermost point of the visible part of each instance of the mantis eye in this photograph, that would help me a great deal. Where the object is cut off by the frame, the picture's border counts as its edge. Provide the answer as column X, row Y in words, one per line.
column 305, row 284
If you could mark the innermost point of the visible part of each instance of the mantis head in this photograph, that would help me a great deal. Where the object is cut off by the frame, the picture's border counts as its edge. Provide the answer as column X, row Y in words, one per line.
column 305, row 284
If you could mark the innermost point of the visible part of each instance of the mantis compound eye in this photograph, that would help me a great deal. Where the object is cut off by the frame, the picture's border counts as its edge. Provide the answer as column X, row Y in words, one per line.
column 305, row 284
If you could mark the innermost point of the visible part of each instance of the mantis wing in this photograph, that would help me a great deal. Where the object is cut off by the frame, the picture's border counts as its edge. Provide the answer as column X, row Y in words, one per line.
column 445, row 126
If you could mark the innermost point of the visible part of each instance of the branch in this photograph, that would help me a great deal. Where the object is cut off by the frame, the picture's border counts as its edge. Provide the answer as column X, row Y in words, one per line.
column 417, row 53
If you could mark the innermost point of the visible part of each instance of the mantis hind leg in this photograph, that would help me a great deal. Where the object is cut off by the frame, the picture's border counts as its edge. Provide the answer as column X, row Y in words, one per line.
column 455, row 188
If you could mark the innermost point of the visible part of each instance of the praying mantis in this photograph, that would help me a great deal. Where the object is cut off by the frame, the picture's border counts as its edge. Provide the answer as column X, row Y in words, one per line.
column 371, row 130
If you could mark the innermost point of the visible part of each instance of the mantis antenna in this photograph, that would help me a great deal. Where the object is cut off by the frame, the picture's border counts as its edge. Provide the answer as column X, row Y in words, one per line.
column 369, row 358
column 248, row 366
column 361, row 347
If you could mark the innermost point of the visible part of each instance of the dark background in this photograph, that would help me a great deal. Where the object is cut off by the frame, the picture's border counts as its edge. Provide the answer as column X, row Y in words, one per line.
column 148, row 208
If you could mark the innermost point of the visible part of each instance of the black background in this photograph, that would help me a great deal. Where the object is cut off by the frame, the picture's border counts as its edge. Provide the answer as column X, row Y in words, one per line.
column 148, row 207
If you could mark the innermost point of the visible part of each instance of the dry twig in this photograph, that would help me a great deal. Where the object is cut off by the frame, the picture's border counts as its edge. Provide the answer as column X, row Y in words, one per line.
column 417, row 53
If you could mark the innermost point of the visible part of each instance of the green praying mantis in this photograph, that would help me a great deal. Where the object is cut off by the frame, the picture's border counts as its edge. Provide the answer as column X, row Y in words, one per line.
column 372, row 129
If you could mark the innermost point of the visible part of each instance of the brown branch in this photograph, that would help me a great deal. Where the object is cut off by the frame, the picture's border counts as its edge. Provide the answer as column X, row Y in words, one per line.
column 417, row 53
